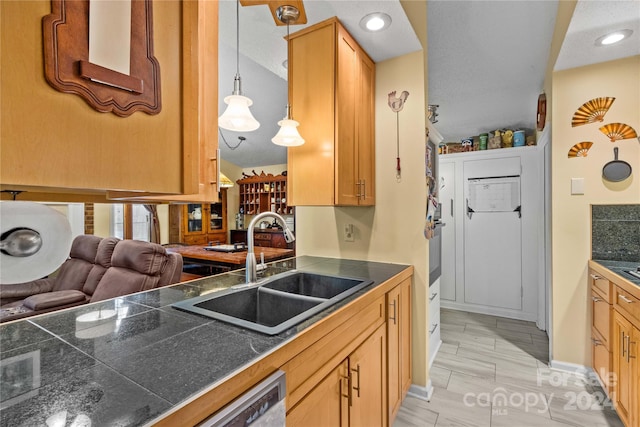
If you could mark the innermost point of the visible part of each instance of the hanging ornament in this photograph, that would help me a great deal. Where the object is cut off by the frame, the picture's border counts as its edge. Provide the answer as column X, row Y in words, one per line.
column 396, row 104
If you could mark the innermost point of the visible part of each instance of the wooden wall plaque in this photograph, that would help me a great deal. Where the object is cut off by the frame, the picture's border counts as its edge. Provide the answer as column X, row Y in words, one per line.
column 67, row 67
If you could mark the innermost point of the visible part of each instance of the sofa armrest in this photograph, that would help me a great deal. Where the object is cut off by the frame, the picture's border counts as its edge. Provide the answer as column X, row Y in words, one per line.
column 53, row 299
column 23, row 290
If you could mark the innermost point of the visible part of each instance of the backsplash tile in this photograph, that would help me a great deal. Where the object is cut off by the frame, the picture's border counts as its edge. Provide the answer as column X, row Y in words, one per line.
column 615, row 232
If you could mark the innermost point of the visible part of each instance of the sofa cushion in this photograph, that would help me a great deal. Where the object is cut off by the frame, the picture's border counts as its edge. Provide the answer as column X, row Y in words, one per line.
column 74, row 272
column 142, row 257
column 135, row 266
column 53, row 299
column 102, row 263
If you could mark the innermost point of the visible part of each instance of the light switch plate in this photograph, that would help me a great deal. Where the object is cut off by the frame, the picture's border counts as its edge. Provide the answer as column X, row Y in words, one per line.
column 577, row 186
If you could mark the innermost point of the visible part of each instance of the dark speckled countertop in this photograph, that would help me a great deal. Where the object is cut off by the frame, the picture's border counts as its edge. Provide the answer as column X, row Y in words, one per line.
column 621, row 268
column 146, row 359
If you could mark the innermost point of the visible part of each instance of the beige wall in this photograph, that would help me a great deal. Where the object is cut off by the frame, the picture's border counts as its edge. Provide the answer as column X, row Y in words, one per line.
column 392, row 231
column 571, row 215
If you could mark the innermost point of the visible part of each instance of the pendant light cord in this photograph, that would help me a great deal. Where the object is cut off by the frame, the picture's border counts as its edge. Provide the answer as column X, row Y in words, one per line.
column 237, row 38
column 289, row 116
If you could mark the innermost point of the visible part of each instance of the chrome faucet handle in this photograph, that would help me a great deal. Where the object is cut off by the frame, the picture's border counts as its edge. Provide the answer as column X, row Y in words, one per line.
column 262, row 266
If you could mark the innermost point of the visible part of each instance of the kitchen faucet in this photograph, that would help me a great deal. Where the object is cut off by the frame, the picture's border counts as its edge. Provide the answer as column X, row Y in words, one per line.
column 251, row 273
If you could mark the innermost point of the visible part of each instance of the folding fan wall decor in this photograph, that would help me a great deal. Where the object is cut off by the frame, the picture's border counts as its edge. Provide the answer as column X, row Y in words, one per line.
column 592, row 111
column 580, row 149
column 618, row 131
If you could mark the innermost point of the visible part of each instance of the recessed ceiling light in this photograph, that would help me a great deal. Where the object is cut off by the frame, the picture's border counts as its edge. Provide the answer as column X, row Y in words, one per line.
column 377, row 21
column 612, row 38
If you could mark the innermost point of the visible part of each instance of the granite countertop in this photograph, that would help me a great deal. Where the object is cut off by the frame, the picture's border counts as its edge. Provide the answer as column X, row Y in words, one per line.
column 147, row 359
column 621, row 268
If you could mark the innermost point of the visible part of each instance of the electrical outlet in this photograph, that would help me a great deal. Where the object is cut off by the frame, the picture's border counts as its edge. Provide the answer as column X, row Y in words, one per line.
column 348, row 233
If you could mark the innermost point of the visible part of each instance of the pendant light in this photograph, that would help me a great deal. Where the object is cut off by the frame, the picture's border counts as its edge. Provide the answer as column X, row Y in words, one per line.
column 288, row 134
column 237, row 117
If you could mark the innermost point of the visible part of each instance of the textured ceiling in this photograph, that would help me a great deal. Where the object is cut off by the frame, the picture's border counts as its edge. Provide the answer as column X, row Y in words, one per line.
column 487, row 61
column 593, row 19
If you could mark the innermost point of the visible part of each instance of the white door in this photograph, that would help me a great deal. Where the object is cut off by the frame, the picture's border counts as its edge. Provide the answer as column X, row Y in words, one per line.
column 493, row 260
column 446, row 197
column 493, row 234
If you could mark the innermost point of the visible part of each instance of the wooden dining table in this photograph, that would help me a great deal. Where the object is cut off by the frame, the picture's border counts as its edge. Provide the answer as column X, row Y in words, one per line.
column 232, row 260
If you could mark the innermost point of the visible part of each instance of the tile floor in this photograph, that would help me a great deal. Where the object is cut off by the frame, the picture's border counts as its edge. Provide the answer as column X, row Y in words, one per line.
column 493, row 372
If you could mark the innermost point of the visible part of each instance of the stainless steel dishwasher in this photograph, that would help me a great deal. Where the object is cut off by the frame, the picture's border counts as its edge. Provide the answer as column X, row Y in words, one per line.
column 261, row 406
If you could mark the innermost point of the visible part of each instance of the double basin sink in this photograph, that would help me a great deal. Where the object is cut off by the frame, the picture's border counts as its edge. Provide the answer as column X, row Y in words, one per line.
column 275, row 304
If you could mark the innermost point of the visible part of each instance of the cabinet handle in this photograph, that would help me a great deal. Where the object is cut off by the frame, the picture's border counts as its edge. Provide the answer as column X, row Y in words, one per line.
column 622, row 338
column 394, row 312
column 625, row 299
column 595, row 276
column 357, row 371
column 348, row 395
column 596, row 342
column 596, row 299
column 433, row 296
column 451, row 208
column 364, row 189
column 629, row 342
column 432, row 330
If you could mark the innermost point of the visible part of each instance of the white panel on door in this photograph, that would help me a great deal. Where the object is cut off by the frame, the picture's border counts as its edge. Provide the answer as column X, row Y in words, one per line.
column 493, row 260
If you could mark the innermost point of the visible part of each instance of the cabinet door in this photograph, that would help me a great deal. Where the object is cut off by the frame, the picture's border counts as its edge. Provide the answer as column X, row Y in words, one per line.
column 365, row 131
column 447, row 200
column 601, row 317
column 622, row 329
column 348, row 184
column 310, row 178
column 398, row 346
column 405, row 337
column 194, row 219
column 367, row 365
column 326, row 404
column 601, row 363
column 393, row 353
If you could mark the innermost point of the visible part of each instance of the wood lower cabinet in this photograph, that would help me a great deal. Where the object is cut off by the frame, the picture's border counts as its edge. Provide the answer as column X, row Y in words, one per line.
column 336, row 164
column 625, row 366
column 325, row 405
column 198, row 223
column 615, row 334
column 354, row 392
column 602, row 311
column 399, row 346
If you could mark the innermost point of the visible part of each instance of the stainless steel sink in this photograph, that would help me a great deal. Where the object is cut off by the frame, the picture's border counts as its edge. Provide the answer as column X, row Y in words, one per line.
column 278, row 303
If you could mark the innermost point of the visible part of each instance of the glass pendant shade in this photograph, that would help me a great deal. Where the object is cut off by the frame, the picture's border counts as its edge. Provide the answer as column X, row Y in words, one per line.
column 288, row 135
column 237, row 117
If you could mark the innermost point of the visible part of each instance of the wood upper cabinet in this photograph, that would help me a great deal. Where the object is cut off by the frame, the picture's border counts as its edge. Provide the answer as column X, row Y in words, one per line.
column 398, row 346
column 55, row 146
column 332, row 91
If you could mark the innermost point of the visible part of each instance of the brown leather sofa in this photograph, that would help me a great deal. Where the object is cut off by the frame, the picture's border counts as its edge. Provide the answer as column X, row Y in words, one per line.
column 97, row 269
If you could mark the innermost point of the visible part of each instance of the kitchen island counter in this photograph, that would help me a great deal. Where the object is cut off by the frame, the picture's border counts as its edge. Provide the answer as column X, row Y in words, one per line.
column 136, row 360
